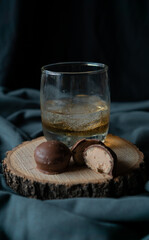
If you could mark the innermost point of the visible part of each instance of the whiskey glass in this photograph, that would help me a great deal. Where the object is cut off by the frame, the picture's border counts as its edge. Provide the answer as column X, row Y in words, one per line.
column 75, row 101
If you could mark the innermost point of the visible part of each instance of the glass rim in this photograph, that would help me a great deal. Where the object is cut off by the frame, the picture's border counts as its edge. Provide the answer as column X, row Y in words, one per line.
column 103, row 68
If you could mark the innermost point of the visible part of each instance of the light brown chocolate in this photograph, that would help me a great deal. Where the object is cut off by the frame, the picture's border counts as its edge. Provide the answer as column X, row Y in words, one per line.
column 79, row 147
column 52, row 157
column 100, row 159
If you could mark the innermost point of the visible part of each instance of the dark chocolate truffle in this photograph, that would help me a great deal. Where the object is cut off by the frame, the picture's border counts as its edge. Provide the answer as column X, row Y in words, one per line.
column 100, row 158
column 52, row 157
column 78, row 148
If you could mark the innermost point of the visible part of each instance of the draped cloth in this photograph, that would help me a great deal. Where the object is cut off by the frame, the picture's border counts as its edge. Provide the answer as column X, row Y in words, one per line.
column 80, row 218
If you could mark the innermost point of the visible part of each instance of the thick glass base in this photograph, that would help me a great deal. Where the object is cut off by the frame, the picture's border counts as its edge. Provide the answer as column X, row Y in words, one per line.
column 70, row 140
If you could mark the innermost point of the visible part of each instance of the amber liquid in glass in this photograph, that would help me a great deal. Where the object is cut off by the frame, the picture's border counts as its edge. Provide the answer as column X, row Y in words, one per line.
column 69, row 120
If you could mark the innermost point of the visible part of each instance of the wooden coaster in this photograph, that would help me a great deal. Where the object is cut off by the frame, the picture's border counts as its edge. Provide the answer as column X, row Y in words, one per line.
column 19, row 168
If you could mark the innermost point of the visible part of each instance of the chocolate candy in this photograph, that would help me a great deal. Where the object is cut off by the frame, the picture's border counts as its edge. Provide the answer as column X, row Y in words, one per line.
column 52, row 157
column 100, row 158
column 78, row 148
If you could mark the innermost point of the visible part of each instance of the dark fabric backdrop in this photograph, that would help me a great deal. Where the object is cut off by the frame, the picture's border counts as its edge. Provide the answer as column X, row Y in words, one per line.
column 40, row 32
column 35, row 33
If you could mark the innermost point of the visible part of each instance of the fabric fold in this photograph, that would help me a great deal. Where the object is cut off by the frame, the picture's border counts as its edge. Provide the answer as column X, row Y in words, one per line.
column 80, row 218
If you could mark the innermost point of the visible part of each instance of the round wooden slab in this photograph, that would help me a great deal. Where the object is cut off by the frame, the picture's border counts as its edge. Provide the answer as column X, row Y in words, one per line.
column 21, row 175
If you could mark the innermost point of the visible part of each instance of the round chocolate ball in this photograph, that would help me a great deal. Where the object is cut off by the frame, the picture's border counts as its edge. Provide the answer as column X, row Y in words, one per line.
column 52, row 157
